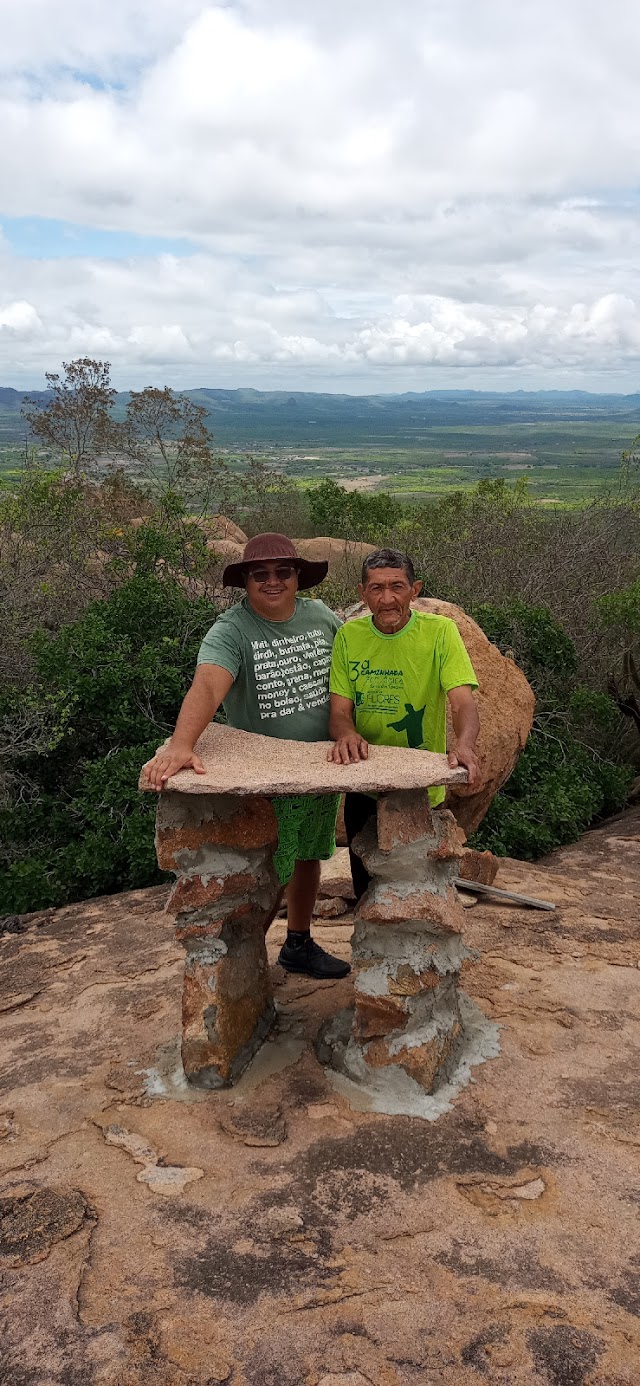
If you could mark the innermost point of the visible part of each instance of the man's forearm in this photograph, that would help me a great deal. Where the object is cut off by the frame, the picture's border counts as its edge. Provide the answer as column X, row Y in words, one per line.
column 466, row 724
column 341, row 724
column 199, row 707
column 210, row 686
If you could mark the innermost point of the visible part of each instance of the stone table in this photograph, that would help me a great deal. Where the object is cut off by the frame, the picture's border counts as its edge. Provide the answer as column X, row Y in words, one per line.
column 217, row 833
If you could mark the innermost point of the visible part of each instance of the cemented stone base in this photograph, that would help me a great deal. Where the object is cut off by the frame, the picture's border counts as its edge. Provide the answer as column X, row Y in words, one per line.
column 392, row 1090
column 405, row 1033
column 221, row 848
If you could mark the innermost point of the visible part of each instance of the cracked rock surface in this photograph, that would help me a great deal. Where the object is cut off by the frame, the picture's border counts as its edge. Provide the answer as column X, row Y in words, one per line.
column 152, row 1235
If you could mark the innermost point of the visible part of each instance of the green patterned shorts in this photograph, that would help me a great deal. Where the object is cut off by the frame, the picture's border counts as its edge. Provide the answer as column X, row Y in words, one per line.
column 306, row 830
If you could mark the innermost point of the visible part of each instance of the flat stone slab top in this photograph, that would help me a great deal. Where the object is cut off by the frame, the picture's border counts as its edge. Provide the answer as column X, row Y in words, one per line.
column 239, row 762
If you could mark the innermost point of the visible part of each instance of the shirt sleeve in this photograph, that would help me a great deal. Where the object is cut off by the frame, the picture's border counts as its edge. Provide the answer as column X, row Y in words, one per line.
column 339, row 680
column 333, row 620
column 221, row 646
column 456, row 668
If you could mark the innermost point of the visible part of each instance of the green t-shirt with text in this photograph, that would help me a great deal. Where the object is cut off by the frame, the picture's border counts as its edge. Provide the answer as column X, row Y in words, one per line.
column 280, row 669
column 398, row 684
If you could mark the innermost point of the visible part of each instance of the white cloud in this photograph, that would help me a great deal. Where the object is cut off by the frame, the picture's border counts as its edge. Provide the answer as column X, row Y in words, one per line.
column 369, row 188
column 195, row 321
column 21, row 318
column 88, row 36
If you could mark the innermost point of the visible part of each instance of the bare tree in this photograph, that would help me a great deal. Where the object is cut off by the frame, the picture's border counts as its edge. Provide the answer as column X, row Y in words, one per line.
column 165, row 435
column 75, row 422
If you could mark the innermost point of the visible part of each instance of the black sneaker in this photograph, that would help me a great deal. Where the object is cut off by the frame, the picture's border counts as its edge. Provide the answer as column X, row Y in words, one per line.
column 308, row 957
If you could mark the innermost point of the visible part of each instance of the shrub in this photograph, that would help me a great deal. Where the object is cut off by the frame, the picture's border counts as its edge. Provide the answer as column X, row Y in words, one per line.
column 556, row 790
column 619, row 616
column 531, row 636
column 491, row 545
column 80, row 827
column 571, row 770
column 346, row 514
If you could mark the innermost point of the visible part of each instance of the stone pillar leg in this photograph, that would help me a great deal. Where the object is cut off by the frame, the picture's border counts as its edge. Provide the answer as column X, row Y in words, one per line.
column 405, row 1030
column 407, row 947
column 221, row 849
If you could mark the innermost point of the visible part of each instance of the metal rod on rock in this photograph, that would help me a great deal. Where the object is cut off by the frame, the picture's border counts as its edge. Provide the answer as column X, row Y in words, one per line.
column 476, row 888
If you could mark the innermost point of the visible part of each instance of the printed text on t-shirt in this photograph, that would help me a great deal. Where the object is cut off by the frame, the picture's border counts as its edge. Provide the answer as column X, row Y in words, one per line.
column 291, row 673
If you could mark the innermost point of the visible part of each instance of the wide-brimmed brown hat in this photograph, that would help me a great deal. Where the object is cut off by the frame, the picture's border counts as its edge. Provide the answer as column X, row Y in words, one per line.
column 265, row 548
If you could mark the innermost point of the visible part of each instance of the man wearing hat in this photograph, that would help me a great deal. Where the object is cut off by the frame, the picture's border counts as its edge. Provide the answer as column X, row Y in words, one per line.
column 268, row 660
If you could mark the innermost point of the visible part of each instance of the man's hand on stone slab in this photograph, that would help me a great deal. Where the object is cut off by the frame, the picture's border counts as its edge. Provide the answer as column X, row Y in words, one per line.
column 461, row 754
column 167, row 762
column 349, row 749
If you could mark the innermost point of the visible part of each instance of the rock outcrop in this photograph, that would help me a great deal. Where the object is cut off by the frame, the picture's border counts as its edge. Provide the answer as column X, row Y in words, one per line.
column 225, row 551
column 344, row 556
column 147, row 1240
column 221, row 527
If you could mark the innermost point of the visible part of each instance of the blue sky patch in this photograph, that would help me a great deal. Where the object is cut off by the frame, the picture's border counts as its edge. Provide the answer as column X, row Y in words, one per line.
column 42, row 238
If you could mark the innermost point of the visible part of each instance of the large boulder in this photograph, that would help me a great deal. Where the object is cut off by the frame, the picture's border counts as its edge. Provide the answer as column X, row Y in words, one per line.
column 224, row 551
column 505, row 704
column 221, row 527
column 344, row 556
column 212, row 527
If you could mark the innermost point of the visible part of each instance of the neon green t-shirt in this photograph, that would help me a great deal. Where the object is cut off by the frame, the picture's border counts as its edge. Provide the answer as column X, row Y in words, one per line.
column 398, row 684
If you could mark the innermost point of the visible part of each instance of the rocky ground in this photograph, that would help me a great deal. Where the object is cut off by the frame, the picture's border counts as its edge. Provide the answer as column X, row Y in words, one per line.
column 272, row 1236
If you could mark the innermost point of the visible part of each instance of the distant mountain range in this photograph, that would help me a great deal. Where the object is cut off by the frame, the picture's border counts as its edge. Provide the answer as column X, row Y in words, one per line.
column 280, row 418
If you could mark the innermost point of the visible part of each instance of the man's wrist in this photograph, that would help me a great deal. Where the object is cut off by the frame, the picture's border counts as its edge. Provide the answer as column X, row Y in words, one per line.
column 181, row 743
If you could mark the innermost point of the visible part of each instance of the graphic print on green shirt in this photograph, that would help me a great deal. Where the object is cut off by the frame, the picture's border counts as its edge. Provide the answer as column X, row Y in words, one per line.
column 280, row 669
column 398, row 684
column 412, row 724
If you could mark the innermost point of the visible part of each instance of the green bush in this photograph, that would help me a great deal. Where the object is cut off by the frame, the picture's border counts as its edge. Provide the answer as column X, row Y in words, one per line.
column 619, row 616
column 346, row 514
column 556, row 790
column 531, row 636
column 570, row 771
column 106, row 692
column 77, row 826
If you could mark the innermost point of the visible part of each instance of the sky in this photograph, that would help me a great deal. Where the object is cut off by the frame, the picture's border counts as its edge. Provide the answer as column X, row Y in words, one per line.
column 357, row 197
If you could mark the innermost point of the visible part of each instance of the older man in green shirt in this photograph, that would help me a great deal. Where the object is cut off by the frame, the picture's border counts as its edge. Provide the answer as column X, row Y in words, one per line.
column 267, row 662
column 391, row 675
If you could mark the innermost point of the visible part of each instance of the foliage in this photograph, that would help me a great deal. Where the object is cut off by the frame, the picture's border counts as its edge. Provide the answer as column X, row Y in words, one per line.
column 629, row 470
column 557, row 789
column 571, row 770
column 352, row 514
column 120, row 673
column 166, row 438
column 65, row 541
column 32, row 725
column 273, row 502
column 622, row 609
column 75, row 421
column 51, row 530
column 491, row 545
column 163, row 437
column 531, row 636
column 619, row 613
column 165, row 547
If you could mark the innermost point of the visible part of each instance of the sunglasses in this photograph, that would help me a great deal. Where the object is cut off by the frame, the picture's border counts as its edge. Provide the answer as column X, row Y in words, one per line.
column 284, row 572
